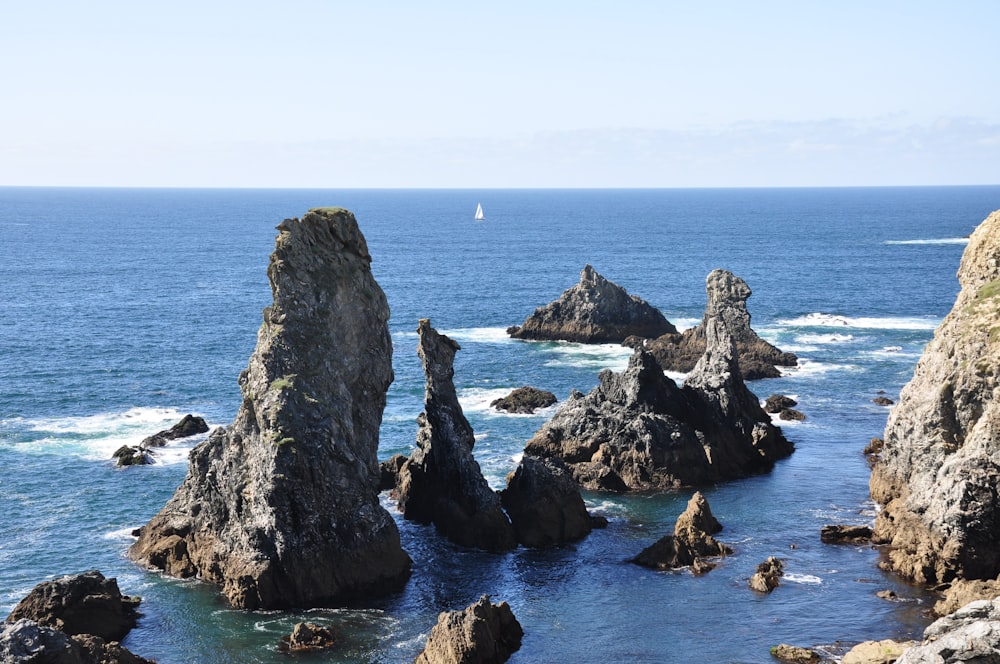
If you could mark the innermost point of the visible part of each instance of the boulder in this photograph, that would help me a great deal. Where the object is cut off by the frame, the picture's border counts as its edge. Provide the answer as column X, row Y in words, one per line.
column 389, row 471
column 544, row 503
column 791, row 415
column 27, row 642
column 593, row 311
column 970, row 634
column 441, row 482
column 876, row 652
column 765, row 579
column 690, row 543
column 637, row 430
column 190, row 425
column 795, row 654
column 483, row 633
column 937, row 474
column 727, row 300
column 524, row 400
column 127, row 455
column 281, row 508
column 845, row 534
column 778, row 402
column 883, row 401
column 307, row 637
column 85, row 603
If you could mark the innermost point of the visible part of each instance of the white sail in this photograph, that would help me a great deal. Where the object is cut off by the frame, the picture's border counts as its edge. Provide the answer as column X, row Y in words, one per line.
column 479, row 212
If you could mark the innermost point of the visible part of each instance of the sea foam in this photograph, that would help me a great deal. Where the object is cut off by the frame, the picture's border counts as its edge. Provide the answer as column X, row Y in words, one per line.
column 943, row 240
column 870, row 323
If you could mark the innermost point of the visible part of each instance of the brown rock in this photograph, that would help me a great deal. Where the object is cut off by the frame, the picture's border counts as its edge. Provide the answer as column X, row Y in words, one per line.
column 876, row 652
column 690, row 543
column 962, row 592
column 765, row 579
column 845, row 534
column 307, row 637
column 483, row 633
column 795, row 654
column 544, row 503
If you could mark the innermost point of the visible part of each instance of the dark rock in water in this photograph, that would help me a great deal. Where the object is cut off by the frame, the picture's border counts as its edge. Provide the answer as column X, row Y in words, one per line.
column 778, row 402
column 882, row 401
column 524, row 400
column 190, row 425
column 690, row 543
column 126, row 455
column 307, row 637
column 791, row 415
column 27, row 642
column 795, row 654
column 938, row 472
column 544, row 503
column 594, row 311
column 727, row 300
column 84, row 603
column 389, row 471
column 483, row 633
column 845, row 534
column 442, row 483
column 638, row 430
column 765, row 579
column 281, row 508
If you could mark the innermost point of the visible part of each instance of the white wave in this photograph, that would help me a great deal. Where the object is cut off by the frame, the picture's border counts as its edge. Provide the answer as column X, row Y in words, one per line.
column 595, row 356
column 870, row 323
column 516, row 458
column 832, row 338
column 684, row 323
column 942, row 240
column 479, row 335
column 121, row 534
column 808, row 368
column 792, row 577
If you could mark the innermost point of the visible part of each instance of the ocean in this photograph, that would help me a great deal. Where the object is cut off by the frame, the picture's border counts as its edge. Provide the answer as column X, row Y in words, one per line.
column 124, row 309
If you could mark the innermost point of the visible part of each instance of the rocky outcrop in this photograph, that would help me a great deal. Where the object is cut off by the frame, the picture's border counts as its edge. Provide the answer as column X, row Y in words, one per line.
column 307, row 637
column 593, row 311
column 971, row 634
column 691, row 542
column 281, row 508
column 483, row 633
column 190, row 425
column 838, row 534
column 886, row 651
column 524, row 400
column 638, row 430
column 767, row 576
column 128, row 455
column 441, row 482
column 794, row 654
column 544, row 503
column 27, row 642
column 85, row 603
column 727, row 300
column 938, row 472
column 964, row 591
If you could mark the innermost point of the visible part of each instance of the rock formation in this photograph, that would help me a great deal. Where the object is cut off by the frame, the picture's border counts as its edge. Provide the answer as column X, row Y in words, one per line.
column 307, row 637
column 544, row 503
column 690, row 543
column 971, row 634
column 727, row 300
column 638, row 430
column 938, row 471
column 593, row 311
column 441, row 482
column 765, row 579
column 281, row 508
column 837, row 534
column 27, row 642
column 876, row 652
column 483, row 633
column 795, row 655
column 524, row 400
column 190, row 425
column 84, row 603
column 965, row 591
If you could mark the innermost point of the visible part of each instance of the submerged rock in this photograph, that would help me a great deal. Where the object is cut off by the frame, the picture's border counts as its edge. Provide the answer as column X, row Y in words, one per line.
column 638, row 430
column 483, row 633
column 441, row 482
column 690, row 543
column 524, row 400
column 190, row 425
column 281, row 507
column 938, row 471
column 593, row 311
column 544, row 503
column 727, row 300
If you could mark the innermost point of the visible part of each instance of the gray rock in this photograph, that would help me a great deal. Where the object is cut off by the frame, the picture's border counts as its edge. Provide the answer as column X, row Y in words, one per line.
column 442, row 483
column 127, row 455
column 483, row 633
column 727, row 300
column 25, row 641
column 524, row 400
column 281, row 508
column 594, row 311
column 544, row 503
column 189, row 425
column 971, row 634
column 937, row 474
column 638, row 430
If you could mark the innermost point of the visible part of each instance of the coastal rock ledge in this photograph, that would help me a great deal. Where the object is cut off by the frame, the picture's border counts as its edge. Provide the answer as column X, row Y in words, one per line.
column 594, row 311
column 281, row 507
column 937, row 475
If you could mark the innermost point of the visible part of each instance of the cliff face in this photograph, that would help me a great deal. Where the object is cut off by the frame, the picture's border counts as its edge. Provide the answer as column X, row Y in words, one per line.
column 938, row 477
column 594, row 311
column 281, row 507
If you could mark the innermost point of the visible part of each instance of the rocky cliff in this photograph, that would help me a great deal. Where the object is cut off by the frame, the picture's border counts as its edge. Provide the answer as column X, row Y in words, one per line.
column 281, row 507
column 483, row 633
column 727, row 300
column 638, row 430
column 593, row 311
column 441, row 482
column 938, row 473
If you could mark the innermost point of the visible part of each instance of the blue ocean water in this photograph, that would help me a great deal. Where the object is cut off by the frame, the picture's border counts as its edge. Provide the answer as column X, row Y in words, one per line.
column 125, row 309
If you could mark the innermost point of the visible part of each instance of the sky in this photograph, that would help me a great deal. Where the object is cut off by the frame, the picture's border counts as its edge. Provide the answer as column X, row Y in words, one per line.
column 333, row 94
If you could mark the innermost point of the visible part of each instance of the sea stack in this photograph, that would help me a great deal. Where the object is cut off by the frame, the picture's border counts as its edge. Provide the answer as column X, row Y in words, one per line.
column 937, row 474
column 594, row 311
column 441, row 482
column 280, row 508
column 639, row 431
column 727, row 300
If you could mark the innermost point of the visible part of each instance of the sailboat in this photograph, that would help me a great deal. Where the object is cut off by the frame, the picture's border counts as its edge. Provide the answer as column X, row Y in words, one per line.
column 479, row 212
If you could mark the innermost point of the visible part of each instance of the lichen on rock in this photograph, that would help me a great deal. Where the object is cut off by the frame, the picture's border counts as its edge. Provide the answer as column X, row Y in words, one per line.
column 281, row 507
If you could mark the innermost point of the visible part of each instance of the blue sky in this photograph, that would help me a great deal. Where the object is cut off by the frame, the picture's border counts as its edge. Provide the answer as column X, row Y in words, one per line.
column 515, row 94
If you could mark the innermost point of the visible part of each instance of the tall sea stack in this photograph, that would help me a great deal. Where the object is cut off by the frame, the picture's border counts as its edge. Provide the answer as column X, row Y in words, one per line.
column 938, row 475
column 281, row 507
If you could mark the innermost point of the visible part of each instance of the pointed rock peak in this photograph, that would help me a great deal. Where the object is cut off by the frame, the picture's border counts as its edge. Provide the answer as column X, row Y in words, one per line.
column 696, row 518
column 726, row 291
column 437, row 353
column 642, row 384
column 718, row 364
column 590, row 277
